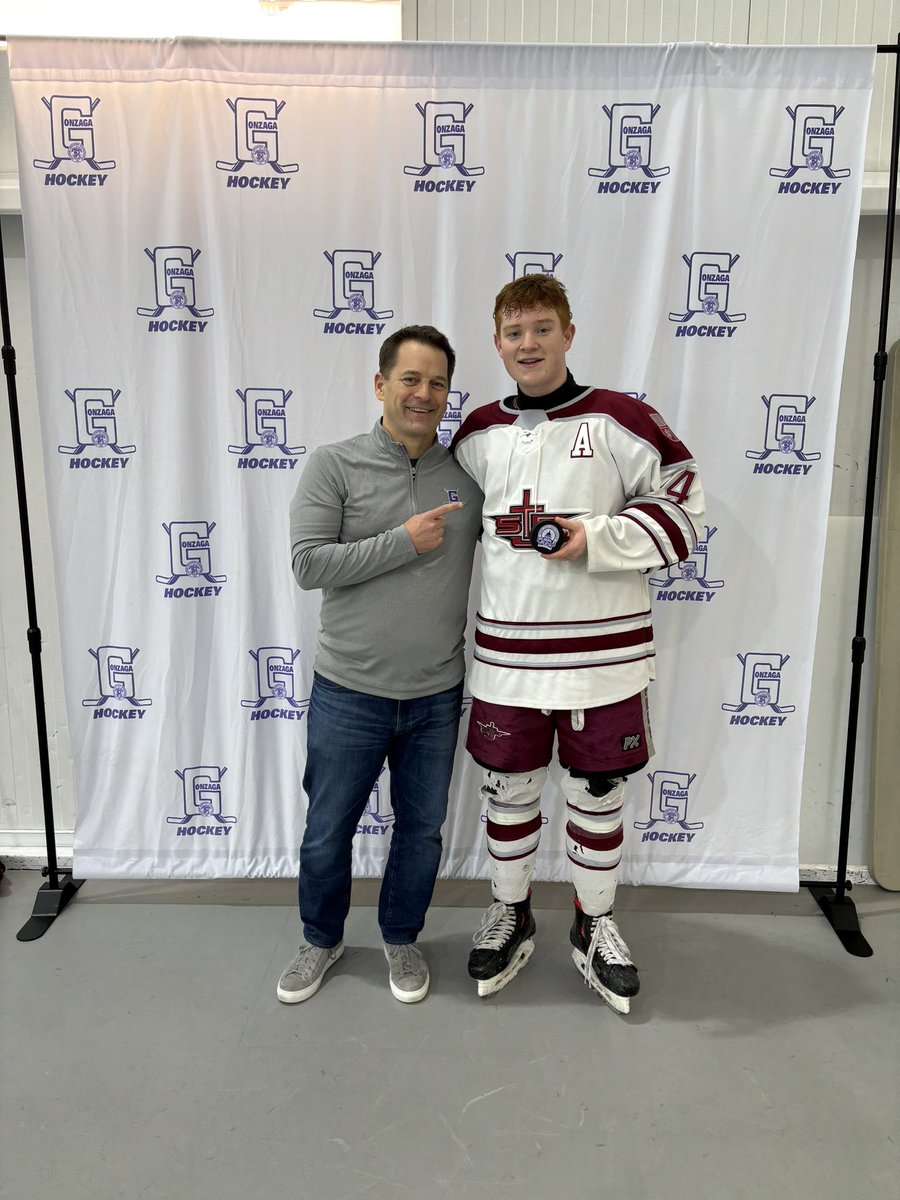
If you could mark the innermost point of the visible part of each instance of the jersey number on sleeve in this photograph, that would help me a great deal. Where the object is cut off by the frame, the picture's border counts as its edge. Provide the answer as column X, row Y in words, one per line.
column 680, row 488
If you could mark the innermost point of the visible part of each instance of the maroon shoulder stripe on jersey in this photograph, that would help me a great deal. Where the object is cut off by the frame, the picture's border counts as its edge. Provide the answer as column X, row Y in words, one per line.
column 669, row 526
column 606, row 641
column 633, row 415
column 480, row 419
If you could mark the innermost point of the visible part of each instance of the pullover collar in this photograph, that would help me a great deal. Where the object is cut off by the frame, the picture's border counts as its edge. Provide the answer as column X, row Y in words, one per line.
column 387, row 443
column 565, row 392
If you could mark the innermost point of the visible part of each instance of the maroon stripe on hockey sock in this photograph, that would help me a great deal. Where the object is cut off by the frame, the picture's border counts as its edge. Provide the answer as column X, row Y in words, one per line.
column 589, row 866
column 602, row 842
column 508, row 858
column 513, row 833
column 604, row 641
column 669, row 526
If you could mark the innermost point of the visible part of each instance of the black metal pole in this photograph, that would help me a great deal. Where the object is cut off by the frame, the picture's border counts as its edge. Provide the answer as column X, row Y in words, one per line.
column 54, row 895
column 838, row 908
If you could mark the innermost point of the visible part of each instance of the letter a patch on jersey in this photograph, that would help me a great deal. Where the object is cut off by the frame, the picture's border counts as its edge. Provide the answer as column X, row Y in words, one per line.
column 581, row 447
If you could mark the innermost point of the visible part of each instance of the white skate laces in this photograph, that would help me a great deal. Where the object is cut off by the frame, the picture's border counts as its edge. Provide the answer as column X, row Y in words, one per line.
column 610, row 943
column 497, row 926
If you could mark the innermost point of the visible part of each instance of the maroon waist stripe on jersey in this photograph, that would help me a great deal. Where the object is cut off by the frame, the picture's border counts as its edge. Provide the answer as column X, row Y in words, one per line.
column 605, row 641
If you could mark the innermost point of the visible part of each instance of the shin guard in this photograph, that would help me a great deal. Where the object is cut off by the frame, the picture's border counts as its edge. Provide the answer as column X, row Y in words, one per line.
column 594, row 837
column 513, row 829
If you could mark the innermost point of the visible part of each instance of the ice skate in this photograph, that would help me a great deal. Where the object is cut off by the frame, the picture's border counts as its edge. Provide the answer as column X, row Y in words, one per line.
column 503, row 945
column 601, row 956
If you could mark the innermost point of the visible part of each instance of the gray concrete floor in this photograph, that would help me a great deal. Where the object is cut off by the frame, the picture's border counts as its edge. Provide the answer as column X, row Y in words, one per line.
column 144, row 1055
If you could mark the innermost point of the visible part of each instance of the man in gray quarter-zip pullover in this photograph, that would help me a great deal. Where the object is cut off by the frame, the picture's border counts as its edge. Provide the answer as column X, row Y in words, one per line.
column 385, row 524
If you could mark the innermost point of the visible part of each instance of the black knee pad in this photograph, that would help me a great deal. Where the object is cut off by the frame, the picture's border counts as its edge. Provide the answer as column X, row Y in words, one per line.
column 599, row 783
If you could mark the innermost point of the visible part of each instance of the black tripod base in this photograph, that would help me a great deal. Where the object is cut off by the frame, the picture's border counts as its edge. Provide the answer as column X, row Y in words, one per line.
column 48, row 904
column 841, row 916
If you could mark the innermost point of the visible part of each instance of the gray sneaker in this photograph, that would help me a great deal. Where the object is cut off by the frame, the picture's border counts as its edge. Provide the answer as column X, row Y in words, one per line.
column 303, row 976
column 409, row 972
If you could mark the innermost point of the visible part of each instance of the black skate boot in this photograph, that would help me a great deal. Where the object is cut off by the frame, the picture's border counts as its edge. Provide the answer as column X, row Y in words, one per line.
column 600, row 954
column 503, row 945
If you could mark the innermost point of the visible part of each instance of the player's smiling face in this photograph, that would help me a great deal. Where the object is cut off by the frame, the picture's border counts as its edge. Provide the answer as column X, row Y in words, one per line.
column 533, row 346
column 414, row 395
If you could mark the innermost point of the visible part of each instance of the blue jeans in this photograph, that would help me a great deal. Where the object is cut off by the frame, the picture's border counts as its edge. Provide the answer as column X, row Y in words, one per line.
column 349, row 736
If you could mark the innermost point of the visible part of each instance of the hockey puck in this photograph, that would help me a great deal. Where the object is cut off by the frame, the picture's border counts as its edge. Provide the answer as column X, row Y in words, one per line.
column 547, row 536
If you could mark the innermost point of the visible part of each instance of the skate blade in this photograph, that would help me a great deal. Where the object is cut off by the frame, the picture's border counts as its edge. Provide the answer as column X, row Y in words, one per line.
column 621, row 1004
column 487, row 987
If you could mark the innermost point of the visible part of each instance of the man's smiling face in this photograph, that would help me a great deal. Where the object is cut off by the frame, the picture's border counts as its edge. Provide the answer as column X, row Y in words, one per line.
column 414, row 394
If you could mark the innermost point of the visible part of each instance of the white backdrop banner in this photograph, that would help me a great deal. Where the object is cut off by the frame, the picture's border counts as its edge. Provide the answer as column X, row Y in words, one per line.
column 220, row 235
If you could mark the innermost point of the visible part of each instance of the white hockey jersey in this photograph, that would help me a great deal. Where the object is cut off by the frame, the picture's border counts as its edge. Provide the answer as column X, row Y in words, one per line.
column 574, row 634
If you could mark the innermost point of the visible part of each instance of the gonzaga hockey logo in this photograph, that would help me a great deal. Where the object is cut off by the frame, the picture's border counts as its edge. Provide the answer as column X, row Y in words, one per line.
column 275, row 682
column 708, row 289
column 812, row 150
column 265, row 428
column 378, row 815
column 785, row 436
column 190, row 557
column 444, row 137
column 533, row 262
column 760, row 689
column 72, row 142
column 175, row 282
column 693, row 571
column 95, row 426
column 256, row 145
column 452, row 418
column 115, row 682
column 669, row 800
column 630, row 149
column 202, row 799
column 353, row 291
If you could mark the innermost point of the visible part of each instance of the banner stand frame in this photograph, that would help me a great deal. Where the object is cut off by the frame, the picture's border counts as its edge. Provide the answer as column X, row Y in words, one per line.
column 55, row 894
column 839, row 909
column 831, row 895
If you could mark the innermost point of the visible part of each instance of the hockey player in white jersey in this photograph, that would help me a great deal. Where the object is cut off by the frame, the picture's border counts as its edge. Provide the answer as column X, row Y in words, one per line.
column 563, row 637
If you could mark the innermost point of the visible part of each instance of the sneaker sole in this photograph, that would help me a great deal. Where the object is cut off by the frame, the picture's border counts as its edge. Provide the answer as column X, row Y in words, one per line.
column 621, row 1004
column 295, row 997
column 404, row 996
column 411, row 997
column 487, row 987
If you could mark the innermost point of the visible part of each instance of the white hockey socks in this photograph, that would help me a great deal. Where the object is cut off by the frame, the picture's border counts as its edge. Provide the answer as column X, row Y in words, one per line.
column 594, row 839
column 513, row 829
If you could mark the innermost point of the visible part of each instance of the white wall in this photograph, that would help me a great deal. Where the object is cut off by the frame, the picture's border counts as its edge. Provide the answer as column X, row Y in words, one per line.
column 735, row 21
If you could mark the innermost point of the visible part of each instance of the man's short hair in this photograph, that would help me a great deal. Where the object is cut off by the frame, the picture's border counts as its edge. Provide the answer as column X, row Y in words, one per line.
column 390, row 347
column 532, row 291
